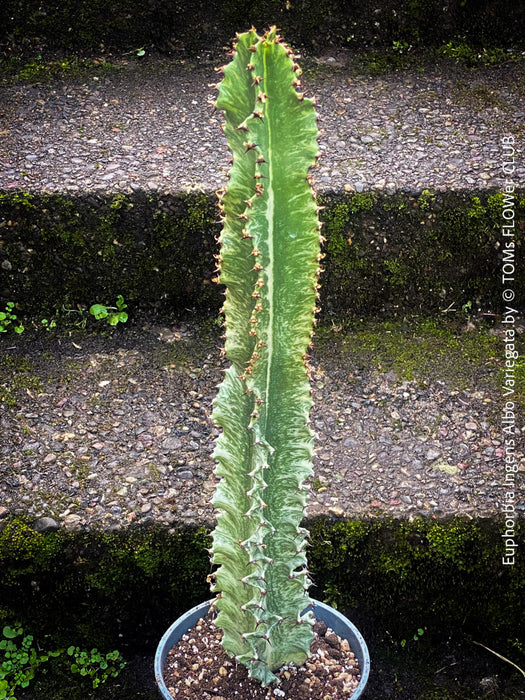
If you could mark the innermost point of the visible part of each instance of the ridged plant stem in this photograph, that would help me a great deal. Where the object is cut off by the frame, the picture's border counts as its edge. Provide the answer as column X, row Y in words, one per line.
column 269, row 262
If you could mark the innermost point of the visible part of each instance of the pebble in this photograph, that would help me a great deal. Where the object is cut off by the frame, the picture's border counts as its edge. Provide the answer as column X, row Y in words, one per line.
column 171, row 444
column 45, row 524
column 72, row 520
column 185, row 474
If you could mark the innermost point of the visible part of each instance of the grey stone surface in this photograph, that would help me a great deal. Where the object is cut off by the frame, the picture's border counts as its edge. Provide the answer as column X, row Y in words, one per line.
column 151, row 126
column 384, row 446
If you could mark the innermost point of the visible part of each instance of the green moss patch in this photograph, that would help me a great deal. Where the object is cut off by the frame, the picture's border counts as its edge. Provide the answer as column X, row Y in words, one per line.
column 436, row 572
column 96, row 585
column 16, row 70
column 400, row 253
column 96, row 588
column 422, row 593
column 417, row 349
column 69, row 253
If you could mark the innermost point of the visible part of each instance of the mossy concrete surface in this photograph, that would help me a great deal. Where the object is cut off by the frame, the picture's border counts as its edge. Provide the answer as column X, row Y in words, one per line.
column 58, row 251
column 122, row 589
column 397, row 253
column 409, row 252
column 198, row 25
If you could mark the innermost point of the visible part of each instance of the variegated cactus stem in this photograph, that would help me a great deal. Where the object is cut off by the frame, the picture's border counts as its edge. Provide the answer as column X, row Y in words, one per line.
column 269, row 262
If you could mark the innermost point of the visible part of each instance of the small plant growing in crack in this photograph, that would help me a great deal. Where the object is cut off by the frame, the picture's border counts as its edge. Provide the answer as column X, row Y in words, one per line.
column 96, row 665
column 9, row 320
column 19, row 660
column 113, row 315
column 416, row 636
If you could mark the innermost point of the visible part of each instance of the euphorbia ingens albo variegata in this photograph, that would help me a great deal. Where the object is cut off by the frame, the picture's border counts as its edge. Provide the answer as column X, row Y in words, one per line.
column 269, row 262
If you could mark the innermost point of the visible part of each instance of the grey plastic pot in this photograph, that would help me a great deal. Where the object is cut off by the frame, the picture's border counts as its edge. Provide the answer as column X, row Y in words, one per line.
column 332, row 618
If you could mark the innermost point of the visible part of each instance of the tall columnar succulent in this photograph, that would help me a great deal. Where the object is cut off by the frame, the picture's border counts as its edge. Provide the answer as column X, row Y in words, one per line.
column 269, row 262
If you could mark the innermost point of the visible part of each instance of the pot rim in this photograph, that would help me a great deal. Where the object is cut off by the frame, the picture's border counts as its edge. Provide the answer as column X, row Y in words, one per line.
column 189, row 618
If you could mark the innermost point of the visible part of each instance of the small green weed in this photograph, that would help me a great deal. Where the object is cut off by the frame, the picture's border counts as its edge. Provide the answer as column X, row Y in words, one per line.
column 112, row 314
column 461, row 52
column 78, row 319
column 138, row 52
column 317, row 485
column 9, row 321
column 401, row 47
column 99, row 667
column 19, row 661
column 420, row 632
column 467, row 310
column 48, row 324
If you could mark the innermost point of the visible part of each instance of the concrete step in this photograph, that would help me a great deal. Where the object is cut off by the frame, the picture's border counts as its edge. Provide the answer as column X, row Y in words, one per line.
column 105, row 441
column 114, row 430
column 150, row 127
column 107, row 186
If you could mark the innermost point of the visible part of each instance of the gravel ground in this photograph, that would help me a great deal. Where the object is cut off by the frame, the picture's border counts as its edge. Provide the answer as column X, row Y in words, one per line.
column 150, row 126
column 111, row 430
